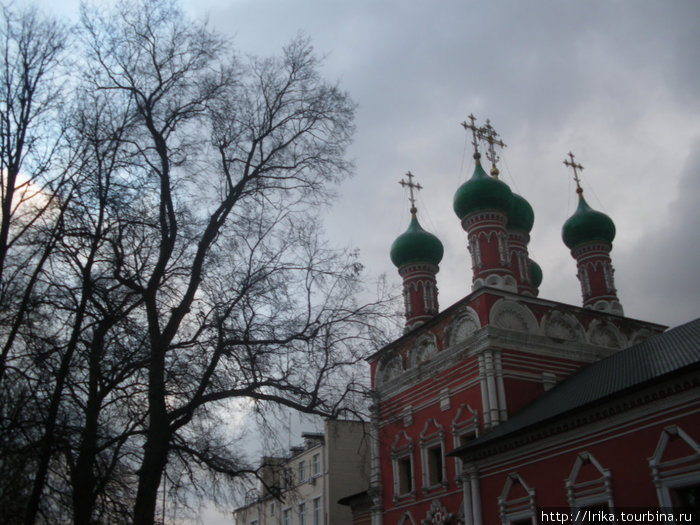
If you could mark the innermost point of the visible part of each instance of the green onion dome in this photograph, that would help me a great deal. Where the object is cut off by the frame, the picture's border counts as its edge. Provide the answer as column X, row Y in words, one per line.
column 535, row 274
column 481, row 192
column 587, row 225
column 520, row 216
column 416, row 245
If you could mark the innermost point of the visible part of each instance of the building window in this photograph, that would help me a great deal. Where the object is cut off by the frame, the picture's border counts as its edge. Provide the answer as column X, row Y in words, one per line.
column 432, row 445
column 686, row 497
column 676, row 471
column 517, row 502
column 435, row 464
column 593, row 494
column 302, row 513
column 405, row 475
column 316, row 519
column 316, row 464
column 402, row 462
column 302, row 471
column 465, row 428
column 287, row 517
column 272, row 508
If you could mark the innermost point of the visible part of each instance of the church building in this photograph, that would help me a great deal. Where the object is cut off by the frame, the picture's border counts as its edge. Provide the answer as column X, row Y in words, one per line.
column 506, row 406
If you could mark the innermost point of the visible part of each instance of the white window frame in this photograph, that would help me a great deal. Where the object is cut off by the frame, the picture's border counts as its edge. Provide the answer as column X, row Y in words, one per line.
column 301, row 513
column 402, row 450
column 513, row 510
column 589, row 493
column 431, row 438
column 465, row 423
column 316, row 464
column 316, row 518
column 301, row 471
column 674, row 473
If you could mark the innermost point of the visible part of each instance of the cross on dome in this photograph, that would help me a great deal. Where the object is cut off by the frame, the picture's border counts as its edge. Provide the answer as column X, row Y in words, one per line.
column 572, row 164
column 475, row 134
column 411, row 185
column 491, row 136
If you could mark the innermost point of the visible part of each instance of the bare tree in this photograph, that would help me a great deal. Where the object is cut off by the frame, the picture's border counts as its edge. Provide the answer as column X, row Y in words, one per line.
column 186, row 267
column 33, row 193
column 240, row 296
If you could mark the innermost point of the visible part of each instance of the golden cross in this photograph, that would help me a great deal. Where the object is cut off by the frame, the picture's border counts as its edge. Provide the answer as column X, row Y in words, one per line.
column 490, row 135
column 410, row 184
column 572, row 164
column 475, row 134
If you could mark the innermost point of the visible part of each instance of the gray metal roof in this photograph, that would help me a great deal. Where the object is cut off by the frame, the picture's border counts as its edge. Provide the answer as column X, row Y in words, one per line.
column 649, row 361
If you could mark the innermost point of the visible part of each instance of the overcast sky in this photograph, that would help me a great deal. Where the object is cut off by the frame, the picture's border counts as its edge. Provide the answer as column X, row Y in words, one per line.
column 615, row 82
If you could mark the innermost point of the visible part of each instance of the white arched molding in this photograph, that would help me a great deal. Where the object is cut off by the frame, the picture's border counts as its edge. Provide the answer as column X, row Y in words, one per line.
column 640, row 335
column 432, row 453
column 562, row 326
column 465, row 323
column 595, row 492
column 501, row 282
column 604, row 333
column 402, row 466
column 671, row 476
column 390, row 368
column 423, row 348
column 517, row 501
column 512, row 316
column 465, row 428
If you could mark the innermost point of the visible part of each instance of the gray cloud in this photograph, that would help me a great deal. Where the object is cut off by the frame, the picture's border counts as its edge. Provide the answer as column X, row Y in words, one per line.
column 616, row 82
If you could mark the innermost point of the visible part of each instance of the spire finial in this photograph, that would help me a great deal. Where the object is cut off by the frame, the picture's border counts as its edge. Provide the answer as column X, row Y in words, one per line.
column 475, row 134
column 572, row 164
column 411, row 185
column 491, row 136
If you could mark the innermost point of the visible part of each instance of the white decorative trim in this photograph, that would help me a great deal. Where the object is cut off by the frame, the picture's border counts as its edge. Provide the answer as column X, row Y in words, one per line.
column 388, row 370
column 674, row 473
column 407, row 519
column 465, row 423
column 401, row 449
column 520, row 508
column 640, row 335
column 592, row 492
column 445, row 399
column 604, row 333
column 437, row 514
column 549, row 379
column 407, row 415
column 432, row 436
column 422, row 349
column 465, row 323
column 494, row 280
column 511, row 315
column 562, row 326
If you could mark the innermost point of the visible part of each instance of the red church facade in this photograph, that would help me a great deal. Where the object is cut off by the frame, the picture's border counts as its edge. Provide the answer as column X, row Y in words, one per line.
column 506, row 405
